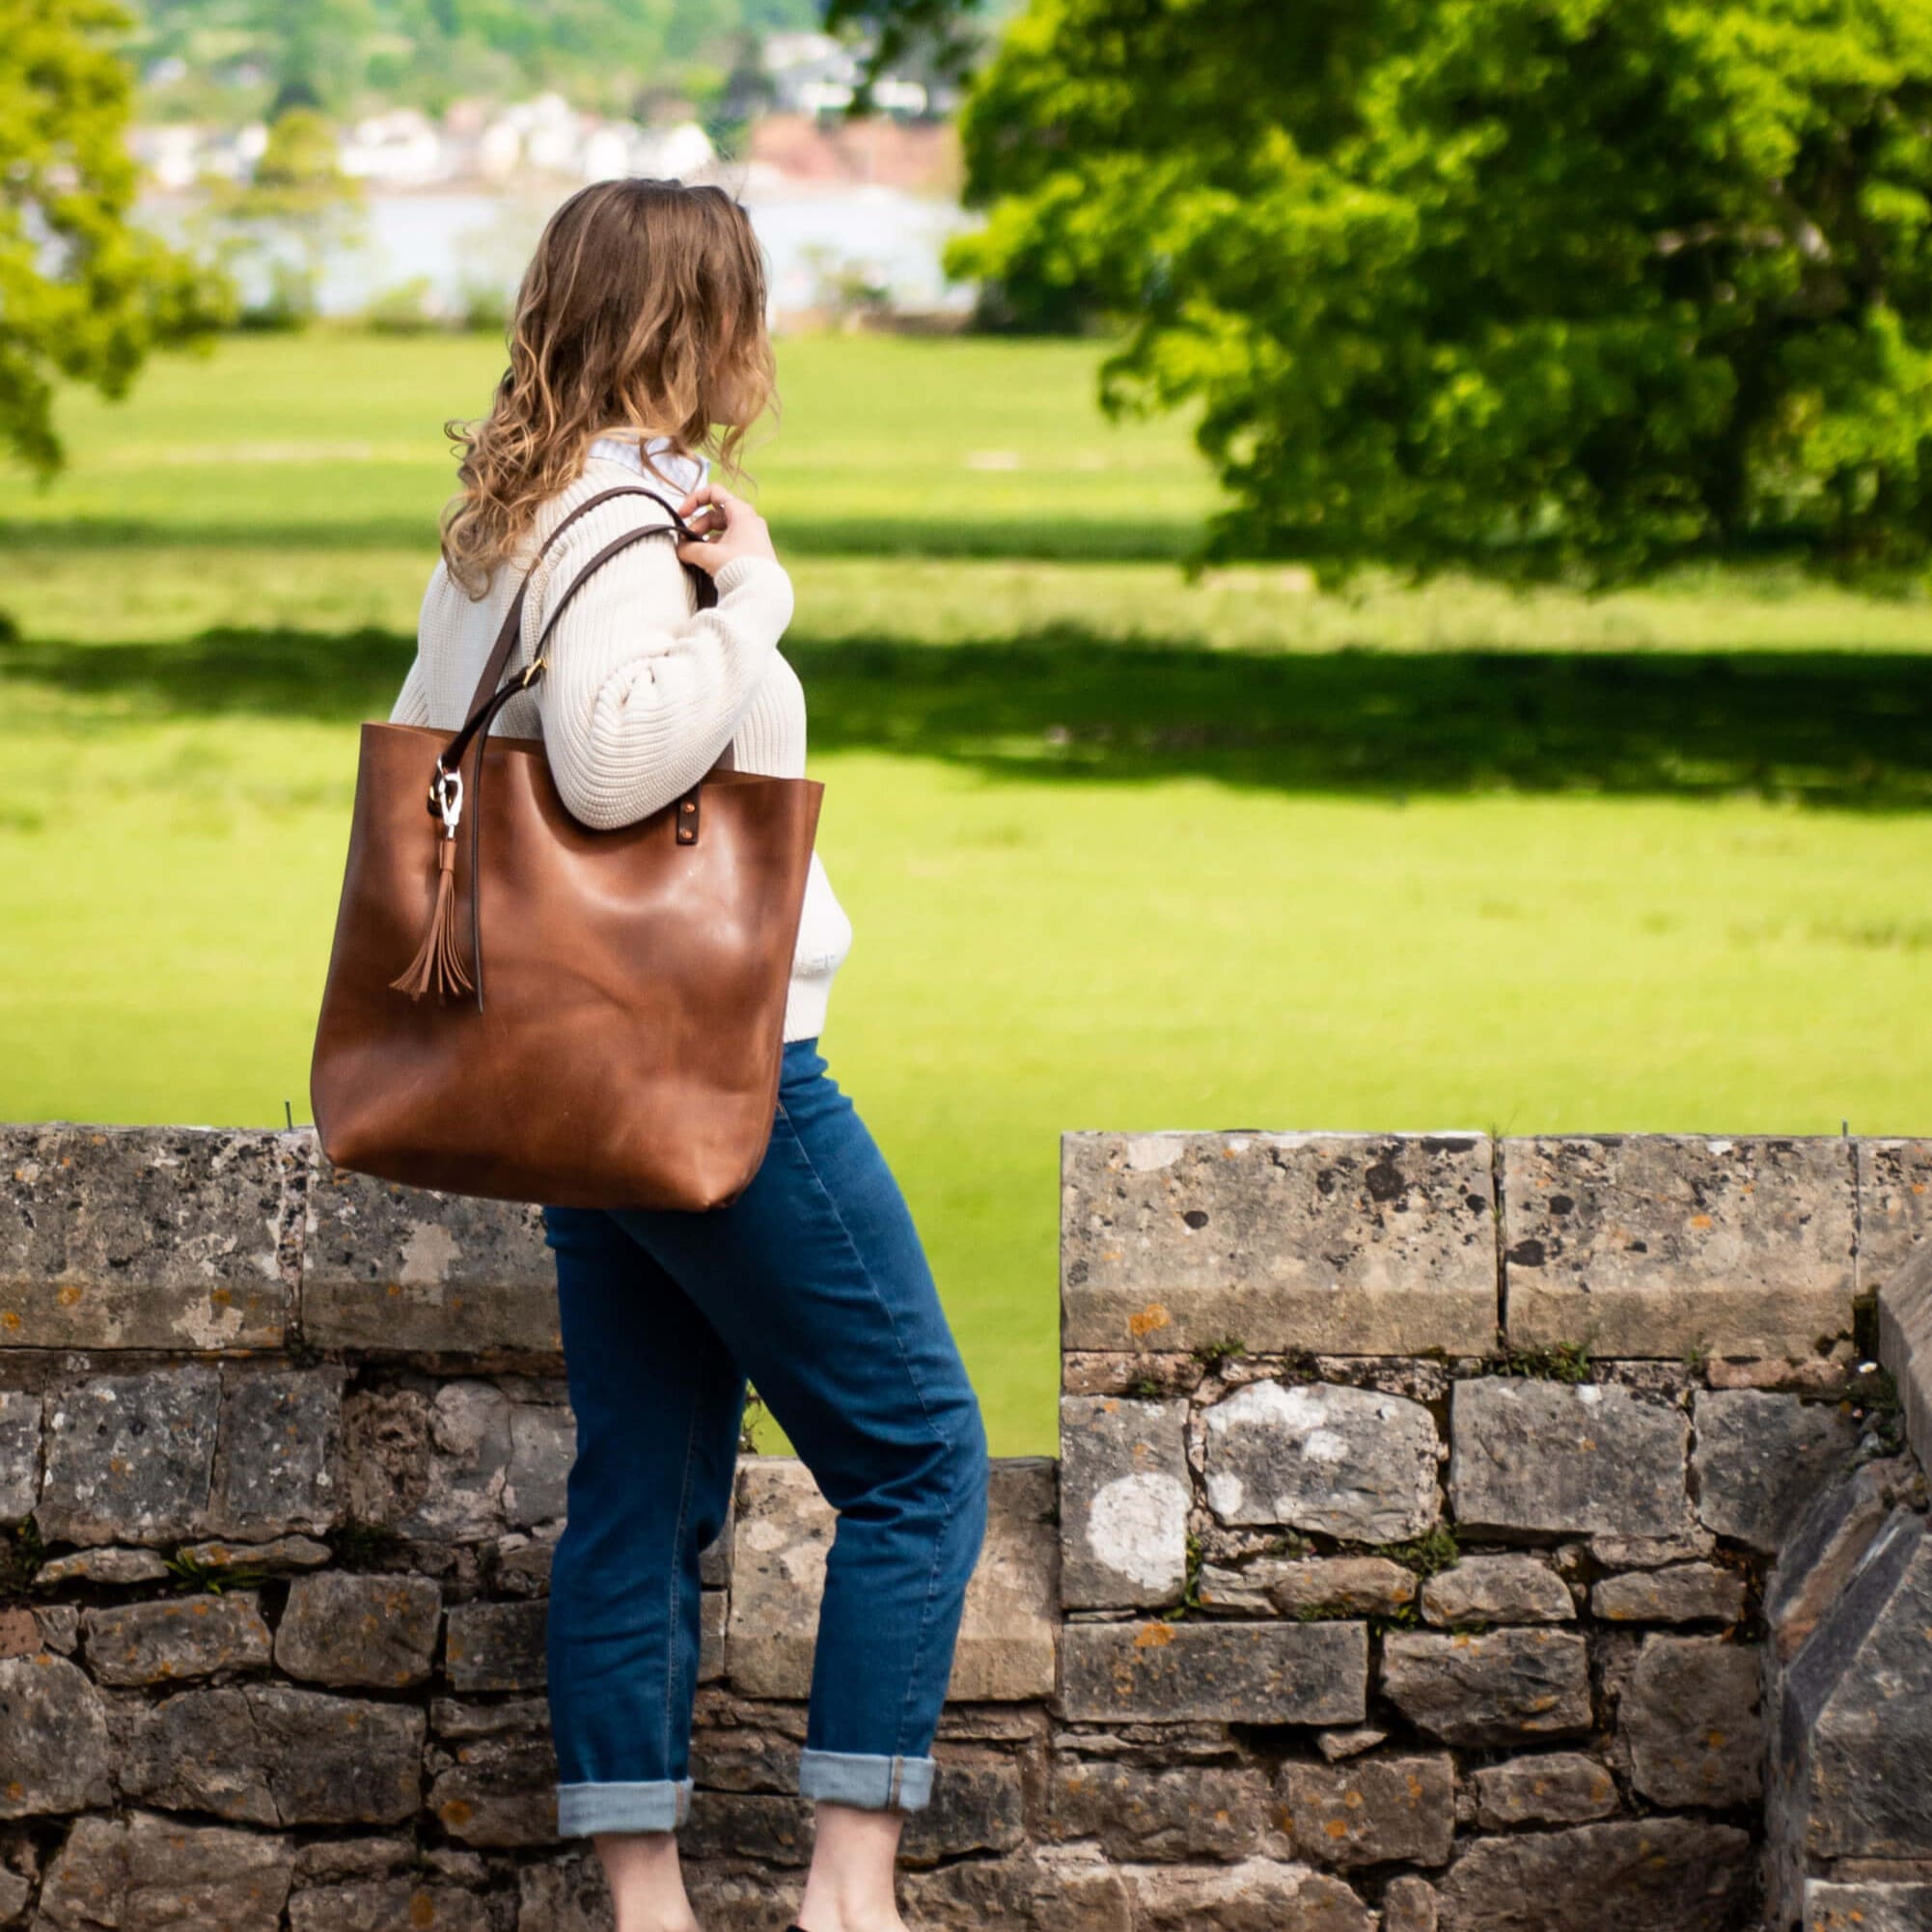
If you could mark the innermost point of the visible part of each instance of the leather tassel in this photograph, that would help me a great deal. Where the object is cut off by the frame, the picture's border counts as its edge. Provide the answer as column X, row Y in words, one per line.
column 437, row 961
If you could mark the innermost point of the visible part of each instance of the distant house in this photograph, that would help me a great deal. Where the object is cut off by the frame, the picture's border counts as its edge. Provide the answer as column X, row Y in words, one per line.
column 810, row 72
column 402, row 149
column 169, row 154
column 679, row 152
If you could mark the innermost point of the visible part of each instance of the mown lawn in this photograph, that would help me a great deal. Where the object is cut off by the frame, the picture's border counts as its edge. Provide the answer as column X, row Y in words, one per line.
column 1121, row 850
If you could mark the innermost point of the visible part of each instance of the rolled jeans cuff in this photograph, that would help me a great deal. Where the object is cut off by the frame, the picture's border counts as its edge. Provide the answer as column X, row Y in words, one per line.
column 869, row 1782
column 661, row 1805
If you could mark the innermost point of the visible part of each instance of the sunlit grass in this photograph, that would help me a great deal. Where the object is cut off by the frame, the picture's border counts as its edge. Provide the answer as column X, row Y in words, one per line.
column 1119, row 851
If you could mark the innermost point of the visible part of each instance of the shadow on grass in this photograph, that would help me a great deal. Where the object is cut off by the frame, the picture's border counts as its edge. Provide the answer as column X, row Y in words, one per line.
column 1103, row 538
column 1824, row 727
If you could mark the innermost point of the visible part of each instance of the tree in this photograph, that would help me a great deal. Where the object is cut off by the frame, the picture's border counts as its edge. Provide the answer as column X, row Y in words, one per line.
column 1534, row 287
column 297, row 208
column 84, row 293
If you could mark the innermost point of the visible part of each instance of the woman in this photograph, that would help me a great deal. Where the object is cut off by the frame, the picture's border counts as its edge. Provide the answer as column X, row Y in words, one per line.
column 638, row 342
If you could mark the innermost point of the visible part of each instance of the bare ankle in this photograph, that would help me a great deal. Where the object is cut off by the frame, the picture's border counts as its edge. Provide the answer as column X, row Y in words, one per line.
column 647, row 1886
column 818, row 1916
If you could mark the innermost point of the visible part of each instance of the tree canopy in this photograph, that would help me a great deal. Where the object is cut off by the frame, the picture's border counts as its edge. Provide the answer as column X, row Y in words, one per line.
column 1536, row 287
column 84, row 293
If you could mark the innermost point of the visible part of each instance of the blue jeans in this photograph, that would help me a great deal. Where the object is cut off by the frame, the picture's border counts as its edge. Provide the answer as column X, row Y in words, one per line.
column 814, row 1284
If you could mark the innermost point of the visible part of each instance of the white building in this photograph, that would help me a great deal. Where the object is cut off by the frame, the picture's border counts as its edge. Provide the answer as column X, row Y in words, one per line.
column 402, row 149
column 171, row 154
column 810, row 72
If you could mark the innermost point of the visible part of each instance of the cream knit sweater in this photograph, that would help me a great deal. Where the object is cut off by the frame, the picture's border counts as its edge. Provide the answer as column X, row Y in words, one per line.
column 643, row 690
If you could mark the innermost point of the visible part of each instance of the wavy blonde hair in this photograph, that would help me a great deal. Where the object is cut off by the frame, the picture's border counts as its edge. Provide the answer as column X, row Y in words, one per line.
column 643, row 310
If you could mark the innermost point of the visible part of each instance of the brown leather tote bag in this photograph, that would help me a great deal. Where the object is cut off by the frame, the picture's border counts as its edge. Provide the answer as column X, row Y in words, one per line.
column 628, row 1052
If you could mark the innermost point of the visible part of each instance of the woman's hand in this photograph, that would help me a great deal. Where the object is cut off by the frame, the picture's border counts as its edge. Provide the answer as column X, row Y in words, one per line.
column 742, row 529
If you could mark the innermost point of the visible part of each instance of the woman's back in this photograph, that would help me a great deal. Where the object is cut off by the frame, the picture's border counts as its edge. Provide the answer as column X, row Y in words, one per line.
column 642, row 691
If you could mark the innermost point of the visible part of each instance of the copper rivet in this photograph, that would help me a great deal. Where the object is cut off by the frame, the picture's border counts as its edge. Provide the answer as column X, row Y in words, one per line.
column 689, row 807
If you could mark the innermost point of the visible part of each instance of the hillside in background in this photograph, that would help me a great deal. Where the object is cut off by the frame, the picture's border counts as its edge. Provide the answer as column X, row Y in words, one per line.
column 239, row 59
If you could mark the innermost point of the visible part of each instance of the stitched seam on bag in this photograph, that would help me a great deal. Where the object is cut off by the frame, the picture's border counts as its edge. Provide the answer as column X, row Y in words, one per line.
column 945, row 1441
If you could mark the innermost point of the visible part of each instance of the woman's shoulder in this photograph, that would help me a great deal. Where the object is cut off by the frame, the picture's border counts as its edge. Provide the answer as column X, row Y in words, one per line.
column 599, row 476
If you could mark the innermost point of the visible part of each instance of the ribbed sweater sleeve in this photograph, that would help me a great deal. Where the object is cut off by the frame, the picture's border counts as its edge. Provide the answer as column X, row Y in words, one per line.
column 641, row 693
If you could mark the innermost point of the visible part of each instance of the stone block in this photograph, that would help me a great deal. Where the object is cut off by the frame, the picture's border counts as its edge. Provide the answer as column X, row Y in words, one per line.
column 1865, row 1906
column 1336, row 1745
column 497, row 1647
column 279, row 1556
column 54, row 1725
column 1409, row 1905
column 1374, row 1811
column 1562, row 1457
column 1505, row 1687
column 542, row 1446
column 713, row 1610
column 1346, row 1244
column 145, row 1873
column 768, row 1827
column 322, row 1860
column 571, row 1894
column 1651, row 1553
column 1072, row 1893
column 188, row 1637
column 395, row 1268
column 1655, row 1244
column 277, row 1463
column 1821, row 1553
column 271, row 1754
column 714, row 1559
column 60, row 1626
column 1308, row 1586
column 1854, row 1743
column 1894, row 1179
column 1349, row 1463
column 1012, row 1614
column 501, row 1792
column 978, row 1806
column 1306, row 1674
column 105, row 1565
column 452, row 1717
column 1905, row 1345
column 1679, row 1593
column 1129, row 1811
column 147, row 1237
column 1551, row 1787
column 19, row 1632
column 1125, row 1493
column 1498, row 1589
column 433, row 1468
column 129, row 1457
column 1761, row 1458
column 19, row 1453
column 342, row 1629
column 744, row 1757
column 1255, row 1895
column 388, row 1905
column 1640, row 1875
column 1690, row 1713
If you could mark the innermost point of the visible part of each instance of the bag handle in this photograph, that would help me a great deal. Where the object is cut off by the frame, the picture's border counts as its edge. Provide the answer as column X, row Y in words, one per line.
column 446, row 786
column 512, row 623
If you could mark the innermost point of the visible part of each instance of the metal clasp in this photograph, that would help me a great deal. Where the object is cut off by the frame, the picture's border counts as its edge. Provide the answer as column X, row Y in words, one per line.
column 537, row 664
column 446, row 797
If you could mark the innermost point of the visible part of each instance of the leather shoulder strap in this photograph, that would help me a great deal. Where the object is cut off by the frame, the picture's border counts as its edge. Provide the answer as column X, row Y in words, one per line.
column 505, row 646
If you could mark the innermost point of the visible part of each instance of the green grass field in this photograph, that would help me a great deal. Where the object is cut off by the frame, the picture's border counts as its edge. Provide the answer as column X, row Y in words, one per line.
column 1121, row 850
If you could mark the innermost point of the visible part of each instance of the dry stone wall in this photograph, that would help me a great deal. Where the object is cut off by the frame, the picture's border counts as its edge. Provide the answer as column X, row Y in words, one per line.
column 1446, row 1533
